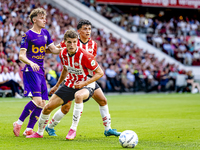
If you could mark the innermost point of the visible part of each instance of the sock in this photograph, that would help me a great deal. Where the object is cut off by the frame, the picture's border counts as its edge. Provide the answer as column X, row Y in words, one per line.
column 56, row 119
column 27, row 129
column 27, row 110
column 105, row 117
column 19, row 122
column 42, row 122
column 34, row 117
column 78, row 108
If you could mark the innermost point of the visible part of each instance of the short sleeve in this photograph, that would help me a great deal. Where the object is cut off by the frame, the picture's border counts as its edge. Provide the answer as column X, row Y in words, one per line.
column 89, row 62
column 24, row 41
column 95, row 50
column 61, row 59
column 1, row 78
column 49, row 40
column 62, row 44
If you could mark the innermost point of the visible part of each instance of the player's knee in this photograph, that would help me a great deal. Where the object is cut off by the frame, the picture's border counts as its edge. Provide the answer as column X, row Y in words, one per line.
column 78, row 97
column 47, row 109
column 103, row 101
column 43, row 103
column 65, row 109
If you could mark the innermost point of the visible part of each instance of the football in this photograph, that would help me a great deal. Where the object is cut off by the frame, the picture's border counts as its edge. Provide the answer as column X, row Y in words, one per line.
column 128, row 139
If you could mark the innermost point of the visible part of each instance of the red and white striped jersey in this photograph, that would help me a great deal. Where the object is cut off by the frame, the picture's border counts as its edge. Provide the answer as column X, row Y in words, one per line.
column 77, row 65
column 90, row 46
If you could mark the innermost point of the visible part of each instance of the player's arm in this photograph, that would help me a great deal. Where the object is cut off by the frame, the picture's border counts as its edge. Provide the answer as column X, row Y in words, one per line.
column 48, row 51
column 62, row 77
column 60, row 80
column 23, row 58
column 98, row 74
column 190, row 81
column 54, row 49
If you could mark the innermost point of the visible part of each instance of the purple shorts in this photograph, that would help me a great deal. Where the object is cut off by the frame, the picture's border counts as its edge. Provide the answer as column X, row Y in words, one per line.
column 35, row 85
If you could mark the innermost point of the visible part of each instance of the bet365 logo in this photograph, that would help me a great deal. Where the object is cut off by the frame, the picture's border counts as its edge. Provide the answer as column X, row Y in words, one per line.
column 36, row 49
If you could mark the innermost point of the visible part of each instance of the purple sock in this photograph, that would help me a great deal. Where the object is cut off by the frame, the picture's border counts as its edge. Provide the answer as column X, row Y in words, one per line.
column 27, row 110
column 34, row 117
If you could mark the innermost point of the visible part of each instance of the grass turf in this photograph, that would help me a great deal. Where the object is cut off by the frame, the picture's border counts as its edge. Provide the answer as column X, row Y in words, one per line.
column 162, row 121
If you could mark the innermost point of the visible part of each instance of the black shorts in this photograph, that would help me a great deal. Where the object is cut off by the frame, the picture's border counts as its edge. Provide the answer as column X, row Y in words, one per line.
column 67, row 94
column 91, row 92
column 96, row 86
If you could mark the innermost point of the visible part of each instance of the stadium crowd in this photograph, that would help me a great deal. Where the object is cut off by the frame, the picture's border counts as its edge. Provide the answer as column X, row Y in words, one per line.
column 173, row 36
column 126, row 66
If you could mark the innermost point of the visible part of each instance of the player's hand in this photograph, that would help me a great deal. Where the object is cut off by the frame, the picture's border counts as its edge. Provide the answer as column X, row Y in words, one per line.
column 79, row 84
column 53, row 89
column 35, row 66
column 47, row 51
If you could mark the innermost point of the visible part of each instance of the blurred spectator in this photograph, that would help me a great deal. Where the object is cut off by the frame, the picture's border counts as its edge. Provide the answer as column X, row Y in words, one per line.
column 102, row 81
column 50, row 79
column 6, row 81
column 112, row 78
column 15, row 76
column 192, row 86
column 127, row 67
column 174, row 30
column 165, row 82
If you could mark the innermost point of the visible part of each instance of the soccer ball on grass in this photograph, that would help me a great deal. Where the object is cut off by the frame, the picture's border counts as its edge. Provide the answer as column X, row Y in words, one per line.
column 128, row 139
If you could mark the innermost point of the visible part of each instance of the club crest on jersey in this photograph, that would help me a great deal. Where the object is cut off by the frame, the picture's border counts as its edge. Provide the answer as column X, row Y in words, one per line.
column 92, row 63
column 76, row 63
column 45, row 37
column 23, row 41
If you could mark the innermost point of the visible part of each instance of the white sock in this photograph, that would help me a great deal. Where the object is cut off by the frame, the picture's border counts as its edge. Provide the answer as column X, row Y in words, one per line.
column 56, row 119
column 19, row 122
column 105, row 117
column 42, row 122
column 27, row 129
column 78, row 108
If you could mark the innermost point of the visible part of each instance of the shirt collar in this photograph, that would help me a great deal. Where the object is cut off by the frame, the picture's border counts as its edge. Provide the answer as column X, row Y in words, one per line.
column 72, row 54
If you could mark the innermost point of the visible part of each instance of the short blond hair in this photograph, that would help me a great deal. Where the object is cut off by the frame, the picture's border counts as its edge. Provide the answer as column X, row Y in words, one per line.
column 70, row 34
column 35, row 12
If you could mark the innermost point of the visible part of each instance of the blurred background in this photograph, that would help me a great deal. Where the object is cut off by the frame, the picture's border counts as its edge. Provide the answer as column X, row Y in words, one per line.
column 143, row 45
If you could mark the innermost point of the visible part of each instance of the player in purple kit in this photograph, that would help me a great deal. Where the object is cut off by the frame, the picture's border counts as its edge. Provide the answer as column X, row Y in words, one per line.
column 32, row 53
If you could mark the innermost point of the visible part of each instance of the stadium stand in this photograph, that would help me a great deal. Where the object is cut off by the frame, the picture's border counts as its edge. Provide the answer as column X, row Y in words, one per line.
column 127, row 67
column 174, row 36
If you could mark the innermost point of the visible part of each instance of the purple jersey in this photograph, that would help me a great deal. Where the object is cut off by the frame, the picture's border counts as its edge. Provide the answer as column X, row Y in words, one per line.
column 35, row 44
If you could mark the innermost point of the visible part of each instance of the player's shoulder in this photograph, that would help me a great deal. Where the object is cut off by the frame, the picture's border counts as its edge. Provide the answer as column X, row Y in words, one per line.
column 91, row 40
column 26, row 34
column 45, row 31
column 63, row 52
column 62, row 44
column 81, row 50
column 85, row 53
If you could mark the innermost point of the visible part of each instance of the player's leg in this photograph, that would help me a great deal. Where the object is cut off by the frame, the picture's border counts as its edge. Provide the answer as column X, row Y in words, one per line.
column 100, row 98
column 34, row 116
column 80, row 95
column 57, row 118
column 30, row 106
column 53, row 103
column 67, row 95
column 32, row 87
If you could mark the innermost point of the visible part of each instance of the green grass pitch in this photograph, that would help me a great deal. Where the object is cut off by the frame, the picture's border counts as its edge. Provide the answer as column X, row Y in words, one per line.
column 161, row 121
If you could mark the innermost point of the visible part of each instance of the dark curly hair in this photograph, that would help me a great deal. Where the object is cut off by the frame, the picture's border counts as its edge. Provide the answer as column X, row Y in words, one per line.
column 83, row 22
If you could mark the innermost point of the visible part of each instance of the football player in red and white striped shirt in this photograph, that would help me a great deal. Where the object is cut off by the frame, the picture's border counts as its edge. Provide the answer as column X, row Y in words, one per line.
column 76, row 63
column 85, row 42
